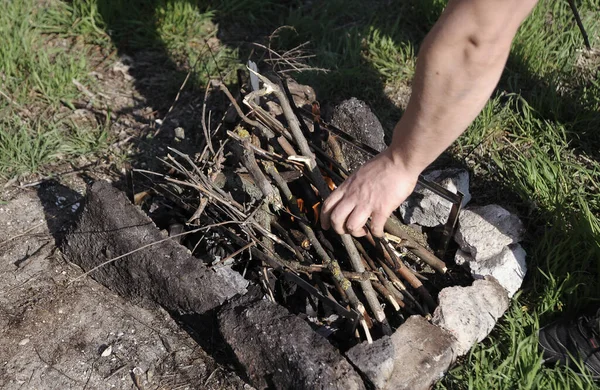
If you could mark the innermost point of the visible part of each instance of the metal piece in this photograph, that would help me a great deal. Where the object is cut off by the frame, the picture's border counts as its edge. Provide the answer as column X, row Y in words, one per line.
column 450, row 225
column 351, row 315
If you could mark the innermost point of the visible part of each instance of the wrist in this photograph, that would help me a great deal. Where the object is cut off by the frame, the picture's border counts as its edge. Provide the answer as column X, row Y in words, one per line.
column 406, row 155
column 402, row 163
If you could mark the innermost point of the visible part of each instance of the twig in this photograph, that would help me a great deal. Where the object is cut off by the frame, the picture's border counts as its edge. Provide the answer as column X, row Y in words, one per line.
column 398, row 297
column 290, row 117
column 405, row 273
column 107, row 262
column 397, row 283
column 386, row 294
column 249, row 161
column 330, row 263
column 22, row 234
column 366, row 285
column 264, row 153
column 115, row 372
column 51, row 365
column 82, row 88
column 207, row 137
column 218, row 160
column 268, row 133
column 234, row 254
column 289, row 59
column 282, row 232
column 395, row 227
column 319, row 181
column 59, row 175
column 172, row 105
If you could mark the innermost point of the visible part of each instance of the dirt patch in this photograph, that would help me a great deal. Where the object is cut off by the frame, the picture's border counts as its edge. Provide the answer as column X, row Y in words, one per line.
column 60, row 335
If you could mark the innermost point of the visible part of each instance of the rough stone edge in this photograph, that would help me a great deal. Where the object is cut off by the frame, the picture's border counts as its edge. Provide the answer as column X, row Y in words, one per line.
column 381, row 373
column 475, row 267
column 164, row 273
column 387, row 366
column 280, row 350
column 496, row 312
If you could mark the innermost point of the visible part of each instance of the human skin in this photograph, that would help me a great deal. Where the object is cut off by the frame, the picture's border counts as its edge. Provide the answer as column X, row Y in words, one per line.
column 459, row 64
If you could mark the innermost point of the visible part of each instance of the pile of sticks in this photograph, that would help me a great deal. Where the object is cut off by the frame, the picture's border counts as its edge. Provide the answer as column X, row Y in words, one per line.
column 294, row 164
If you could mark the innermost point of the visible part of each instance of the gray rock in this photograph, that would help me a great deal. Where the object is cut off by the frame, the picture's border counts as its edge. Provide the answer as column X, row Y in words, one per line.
column 236, row 279
column 165, row 273
column 375, row 361
column 413, row 358
column 356, row 118
column 470, row 313
column 179, row 133
column 508, row 267
column 281, row 351
column 425, row 208
column 483, row 231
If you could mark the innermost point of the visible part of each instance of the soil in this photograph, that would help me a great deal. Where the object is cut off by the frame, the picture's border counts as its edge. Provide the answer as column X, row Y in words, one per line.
column 60, row 332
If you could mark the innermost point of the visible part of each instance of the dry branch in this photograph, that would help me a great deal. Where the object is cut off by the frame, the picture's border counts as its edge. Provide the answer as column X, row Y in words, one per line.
column 395, row 227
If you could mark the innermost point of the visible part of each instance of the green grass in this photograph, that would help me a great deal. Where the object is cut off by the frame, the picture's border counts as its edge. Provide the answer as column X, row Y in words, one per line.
column 37, row 72
column 535, row 148
column 48, row 44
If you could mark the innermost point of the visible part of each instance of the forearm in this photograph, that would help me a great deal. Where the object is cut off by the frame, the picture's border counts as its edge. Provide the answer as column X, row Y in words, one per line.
column 459, row 65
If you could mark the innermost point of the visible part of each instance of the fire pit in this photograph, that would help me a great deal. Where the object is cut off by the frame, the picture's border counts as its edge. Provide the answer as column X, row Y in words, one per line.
column 303, row 302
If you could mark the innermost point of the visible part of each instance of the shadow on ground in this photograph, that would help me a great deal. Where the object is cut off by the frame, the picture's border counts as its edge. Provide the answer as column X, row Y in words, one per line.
column 133, row 27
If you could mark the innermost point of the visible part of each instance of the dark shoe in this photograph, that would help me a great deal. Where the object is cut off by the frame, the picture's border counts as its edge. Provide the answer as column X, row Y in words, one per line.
column 568, row 342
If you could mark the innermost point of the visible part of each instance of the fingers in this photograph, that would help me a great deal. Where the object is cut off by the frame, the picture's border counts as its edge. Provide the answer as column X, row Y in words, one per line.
column 339, row 215
column 355, row 224
column 377, row 223
column 328, row 206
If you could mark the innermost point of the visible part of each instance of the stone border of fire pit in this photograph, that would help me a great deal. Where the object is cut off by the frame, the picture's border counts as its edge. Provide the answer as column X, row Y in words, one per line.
column 277, row 349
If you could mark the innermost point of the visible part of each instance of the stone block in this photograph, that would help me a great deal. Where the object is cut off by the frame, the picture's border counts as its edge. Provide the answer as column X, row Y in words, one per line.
column 356, row 118
column 281, row 351
column 165, row 273
column 470, row 313
column 413, row 358
column 483, row 231
column 425, row 208
column 508, row 267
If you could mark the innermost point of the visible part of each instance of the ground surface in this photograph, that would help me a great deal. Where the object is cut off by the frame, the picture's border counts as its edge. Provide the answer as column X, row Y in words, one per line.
column 55, row 332
column 83, row 83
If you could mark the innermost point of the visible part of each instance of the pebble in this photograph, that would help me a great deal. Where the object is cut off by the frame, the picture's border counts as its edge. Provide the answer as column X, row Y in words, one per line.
column 107, row 351
column 179, row 133
column 24, row 341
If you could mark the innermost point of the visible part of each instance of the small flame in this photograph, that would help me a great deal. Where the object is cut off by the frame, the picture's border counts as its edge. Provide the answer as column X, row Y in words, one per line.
column 330, row 183
column 317, row 211
column 300, row 203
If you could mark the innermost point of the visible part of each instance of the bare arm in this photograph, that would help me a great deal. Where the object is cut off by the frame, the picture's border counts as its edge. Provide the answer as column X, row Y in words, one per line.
column 459, row 65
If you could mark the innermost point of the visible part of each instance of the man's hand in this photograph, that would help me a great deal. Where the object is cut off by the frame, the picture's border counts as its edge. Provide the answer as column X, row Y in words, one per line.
column 375, row 190
column 459, row 64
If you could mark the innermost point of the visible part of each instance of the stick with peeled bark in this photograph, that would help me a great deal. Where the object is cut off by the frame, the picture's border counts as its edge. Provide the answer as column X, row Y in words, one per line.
column 403, row 271
column 261, row 181
column 266, row 132
column 384, row 281
column 327, row 261
column 378, row 285
column 340, row 280
column 317, row 178
column 397, row 228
